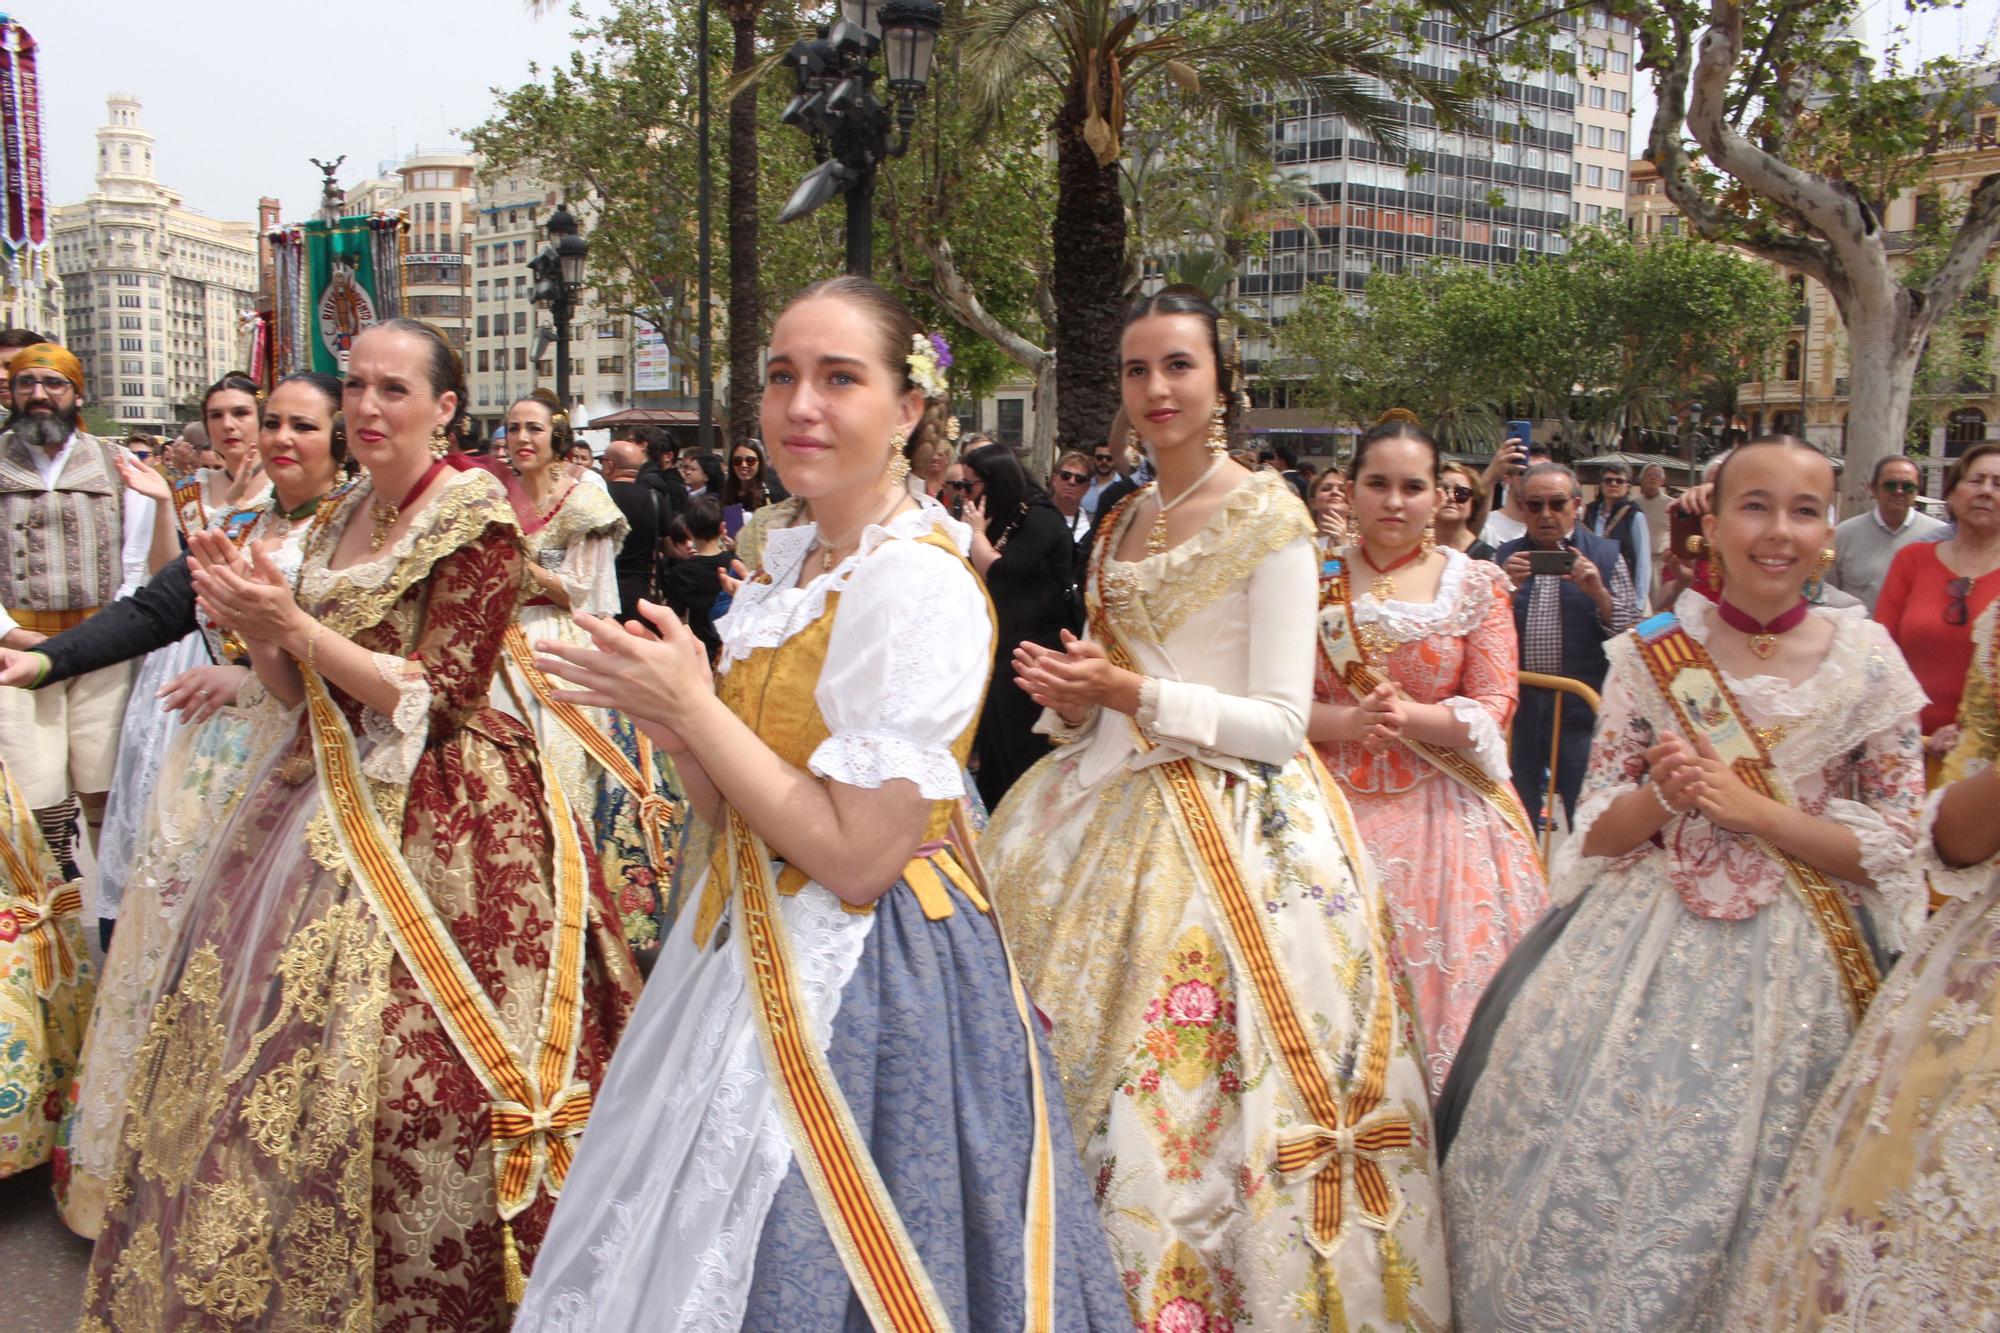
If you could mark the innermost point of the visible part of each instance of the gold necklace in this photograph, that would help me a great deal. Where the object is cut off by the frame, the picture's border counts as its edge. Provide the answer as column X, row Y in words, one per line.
column 1156, row 536
column 826, row 560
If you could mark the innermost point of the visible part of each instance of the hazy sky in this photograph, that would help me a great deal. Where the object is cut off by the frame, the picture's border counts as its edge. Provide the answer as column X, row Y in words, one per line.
column 239, row 94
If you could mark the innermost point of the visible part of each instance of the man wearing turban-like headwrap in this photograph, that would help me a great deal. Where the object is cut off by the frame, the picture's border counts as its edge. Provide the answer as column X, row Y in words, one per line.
column 76, row 540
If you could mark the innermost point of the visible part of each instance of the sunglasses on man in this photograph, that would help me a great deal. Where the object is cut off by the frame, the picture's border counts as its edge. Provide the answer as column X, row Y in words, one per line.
column 962, row 486
column 1900, row 487
column 1554, row 504
column 1101, row 458
column 1079, row 478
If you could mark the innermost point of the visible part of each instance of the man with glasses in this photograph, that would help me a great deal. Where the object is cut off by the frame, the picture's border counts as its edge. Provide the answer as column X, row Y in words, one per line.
column 1864, row 545
column 1104, row 467
column 79, row 541
column 1616, row 514
column 1562, row 620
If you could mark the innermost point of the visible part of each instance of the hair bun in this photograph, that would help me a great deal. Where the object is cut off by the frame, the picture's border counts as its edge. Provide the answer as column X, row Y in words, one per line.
column 1400, row 416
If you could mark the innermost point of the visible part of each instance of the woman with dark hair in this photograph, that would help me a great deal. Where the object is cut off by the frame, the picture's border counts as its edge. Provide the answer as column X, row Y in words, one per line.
column 834, row 1108
column 1935, row 590
column 625, row 791
column 694, row 579
column 1416, row 685
column 1461, row 511
column 398, row 984
column 703, row 474
column 1190, row 901
column 1022, row 548
column 749, row 486
column 205, row 744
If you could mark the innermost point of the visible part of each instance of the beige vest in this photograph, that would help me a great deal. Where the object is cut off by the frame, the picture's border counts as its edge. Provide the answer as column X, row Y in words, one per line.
column 65, row 546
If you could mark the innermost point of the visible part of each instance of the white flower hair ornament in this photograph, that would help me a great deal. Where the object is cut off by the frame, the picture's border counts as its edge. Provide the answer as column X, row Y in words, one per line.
column 930, row 357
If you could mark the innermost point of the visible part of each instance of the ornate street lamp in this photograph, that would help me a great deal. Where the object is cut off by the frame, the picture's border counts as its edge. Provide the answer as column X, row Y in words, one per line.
column 559, row 270
column 834, row 104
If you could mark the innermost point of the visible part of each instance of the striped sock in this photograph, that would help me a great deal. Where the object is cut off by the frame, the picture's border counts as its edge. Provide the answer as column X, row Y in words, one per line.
column 59, row 831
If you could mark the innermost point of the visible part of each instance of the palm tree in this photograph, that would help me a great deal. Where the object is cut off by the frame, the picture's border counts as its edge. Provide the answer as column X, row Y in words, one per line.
column 1094, row 55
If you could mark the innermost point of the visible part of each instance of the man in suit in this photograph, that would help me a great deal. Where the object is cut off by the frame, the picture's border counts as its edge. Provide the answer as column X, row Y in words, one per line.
column 1562, row 621
column 646, row 513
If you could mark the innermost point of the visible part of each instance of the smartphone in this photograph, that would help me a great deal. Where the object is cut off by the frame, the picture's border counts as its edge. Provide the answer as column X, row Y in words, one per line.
column 1551, row 562
column 1683, row 529
column 1524, row 431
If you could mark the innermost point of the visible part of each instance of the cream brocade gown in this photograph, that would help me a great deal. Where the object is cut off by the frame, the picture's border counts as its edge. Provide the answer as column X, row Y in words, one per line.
column 1172, row 1075
column 1889, row 1218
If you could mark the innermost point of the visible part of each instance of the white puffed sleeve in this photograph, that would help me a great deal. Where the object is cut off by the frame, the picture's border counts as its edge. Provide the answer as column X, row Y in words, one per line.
column 589, row 573
column 1267, row 722
column 906, row 668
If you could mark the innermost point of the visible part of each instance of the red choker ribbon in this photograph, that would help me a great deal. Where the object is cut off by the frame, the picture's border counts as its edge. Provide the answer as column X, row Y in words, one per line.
column 1763, row 634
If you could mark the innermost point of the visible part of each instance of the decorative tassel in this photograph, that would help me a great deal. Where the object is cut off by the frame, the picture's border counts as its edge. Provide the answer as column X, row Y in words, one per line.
column 1396, row 1274
column 510, row 1263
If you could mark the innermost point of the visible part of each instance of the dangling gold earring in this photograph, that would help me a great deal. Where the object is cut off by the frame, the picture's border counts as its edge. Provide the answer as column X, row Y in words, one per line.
column 1825, row 562
column 1218, row 428
column 1133, row 442
column 898, row 470
column 440, row 445
column 1430, row 536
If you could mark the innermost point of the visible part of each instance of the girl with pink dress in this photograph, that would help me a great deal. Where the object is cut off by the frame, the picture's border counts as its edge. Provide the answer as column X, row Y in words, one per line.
column 1416, row 682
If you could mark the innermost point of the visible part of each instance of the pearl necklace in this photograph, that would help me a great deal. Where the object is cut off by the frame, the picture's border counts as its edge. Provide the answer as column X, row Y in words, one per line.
column 1156, row 536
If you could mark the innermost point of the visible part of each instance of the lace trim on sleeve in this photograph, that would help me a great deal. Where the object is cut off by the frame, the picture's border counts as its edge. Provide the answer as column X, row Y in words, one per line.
column 871, row 758
column 1898, row 893
column 1051, row 724
column 1148, row 716
column 1489, row 747
column 398, row 738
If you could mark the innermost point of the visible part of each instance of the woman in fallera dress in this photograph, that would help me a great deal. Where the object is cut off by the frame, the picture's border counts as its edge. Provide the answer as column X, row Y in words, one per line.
column 399, row 979
column 1746, row 845
column 1190, row 900
column 209, row 754
column 1890, row 1214
column 1418, row 678
column 573, row 531
column 834, row 1108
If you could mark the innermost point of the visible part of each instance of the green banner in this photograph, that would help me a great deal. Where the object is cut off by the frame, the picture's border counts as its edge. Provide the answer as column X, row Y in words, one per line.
column 343, row 294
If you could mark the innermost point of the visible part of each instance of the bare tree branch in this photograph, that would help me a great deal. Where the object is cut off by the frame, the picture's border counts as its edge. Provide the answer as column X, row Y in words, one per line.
column 1976, row 235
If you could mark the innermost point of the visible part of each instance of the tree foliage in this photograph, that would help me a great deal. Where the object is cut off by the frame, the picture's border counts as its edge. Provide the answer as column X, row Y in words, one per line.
column 1609, row 334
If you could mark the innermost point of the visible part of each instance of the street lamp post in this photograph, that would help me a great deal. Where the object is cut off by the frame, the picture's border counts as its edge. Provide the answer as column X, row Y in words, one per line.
column 559, row 272
column 834, row 104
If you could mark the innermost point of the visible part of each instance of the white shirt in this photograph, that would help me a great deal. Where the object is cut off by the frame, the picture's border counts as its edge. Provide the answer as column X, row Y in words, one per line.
column 139, row 516
column 1501, row 528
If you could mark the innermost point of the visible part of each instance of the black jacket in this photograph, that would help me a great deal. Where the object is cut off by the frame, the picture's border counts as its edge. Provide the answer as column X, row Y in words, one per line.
column 159, row 613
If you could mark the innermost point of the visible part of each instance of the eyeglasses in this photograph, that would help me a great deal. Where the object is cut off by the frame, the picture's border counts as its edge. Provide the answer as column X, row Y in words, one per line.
column 1101, row 458
column 1078, row 477
column 1555, row 504
column 962, row 486
column 745, row 460
column 1614, row 481
column 50, row 385
column 1899, row 487
column 1461, row 494
column 1956, row 612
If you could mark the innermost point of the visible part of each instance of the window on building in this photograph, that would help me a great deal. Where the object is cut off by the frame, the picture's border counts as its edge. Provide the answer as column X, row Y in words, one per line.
column 521, row 252
column 485, row 361
column 1576, row 173
column 1621, row 62
column 1989, row 127
column 444, row 211
column 1593, row 135
column 1962, row 429
column 1794, row 360
column 609, row 328
column 1530, row 240
column 479, row 257
column 132, row 280
column 1596, row 95
column 1593, row 176
column 1618, row 99
column 1617, row 141
column 1927, row 212
column 520, row 321
column 479, row 327
column 1592, row 213
column 520, row 358
column 611, row 365
column 1670, row 226
column 479, row 290
column 1013, row 416
column 1615, row 178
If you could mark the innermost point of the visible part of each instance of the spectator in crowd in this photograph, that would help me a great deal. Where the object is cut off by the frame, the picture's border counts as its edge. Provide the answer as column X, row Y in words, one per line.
column 1066, row 487
column 1657, row 504
column 1562, row 620
column 1461, row 510
column 695, row 578
column 1864, row 545
column 1328, row 502
column 748, row 487
column 12, row 341
column 1283, row 460
column 183, row 455
column 661, row 470
column 646, row 514
column 1505, row 519
column 974, row 440
column 1616, row 515
column 1935, row 590
column 581, row 463
column 1104, row 475
column 1023, row 550
column 703, row 475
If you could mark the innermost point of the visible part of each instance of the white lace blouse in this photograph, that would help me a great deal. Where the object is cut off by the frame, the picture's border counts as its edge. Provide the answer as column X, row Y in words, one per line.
column 907, row 661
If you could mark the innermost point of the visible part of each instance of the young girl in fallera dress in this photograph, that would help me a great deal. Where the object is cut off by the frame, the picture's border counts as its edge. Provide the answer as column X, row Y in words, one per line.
column 835, row 1108
column 1745, row 843
column 1194, row 909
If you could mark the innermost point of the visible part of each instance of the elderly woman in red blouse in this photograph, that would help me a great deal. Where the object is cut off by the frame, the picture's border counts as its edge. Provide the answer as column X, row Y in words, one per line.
column 1935, row 591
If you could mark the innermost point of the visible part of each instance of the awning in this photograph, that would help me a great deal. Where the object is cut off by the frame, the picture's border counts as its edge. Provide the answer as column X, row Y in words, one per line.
column 645, row 416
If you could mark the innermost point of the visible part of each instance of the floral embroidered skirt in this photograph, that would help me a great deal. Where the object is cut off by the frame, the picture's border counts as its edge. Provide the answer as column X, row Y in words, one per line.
column 1173, row 1078
column 1889, row 1216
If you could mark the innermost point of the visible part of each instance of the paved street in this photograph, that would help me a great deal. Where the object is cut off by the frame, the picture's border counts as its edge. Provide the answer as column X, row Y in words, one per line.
column 45, row 1261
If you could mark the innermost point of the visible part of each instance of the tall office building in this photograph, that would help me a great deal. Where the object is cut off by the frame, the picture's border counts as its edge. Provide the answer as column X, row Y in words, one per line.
column 154, row 292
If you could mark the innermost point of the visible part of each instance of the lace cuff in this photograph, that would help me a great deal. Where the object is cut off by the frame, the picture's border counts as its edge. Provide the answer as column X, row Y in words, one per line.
column 398, row 738
column 1059, row 732
column 1899, row 892
column 1957, row 882
column 1489, row 747
column 1571, row 871
column 1148, row 716
column 871, row 758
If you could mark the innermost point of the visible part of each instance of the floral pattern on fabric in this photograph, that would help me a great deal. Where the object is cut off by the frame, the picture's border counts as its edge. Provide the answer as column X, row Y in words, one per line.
column 1463, row 884
column 307, row 1080
column 1190, row 1044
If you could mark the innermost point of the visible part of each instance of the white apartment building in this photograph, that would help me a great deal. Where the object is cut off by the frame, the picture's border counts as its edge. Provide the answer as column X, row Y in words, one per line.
column 510, row 219
column 1604, row 51
column 437, row 196
column 153, row 292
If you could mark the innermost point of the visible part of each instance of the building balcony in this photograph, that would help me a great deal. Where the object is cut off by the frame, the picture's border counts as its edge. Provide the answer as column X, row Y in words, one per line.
column 1840, row 383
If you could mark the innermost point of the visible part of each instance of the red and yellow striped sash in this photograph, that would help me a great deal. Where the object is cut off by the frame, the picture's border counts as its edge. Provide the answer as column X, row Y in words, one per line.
column 1701, row 700
column 537, row 1108
column 38, row 908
